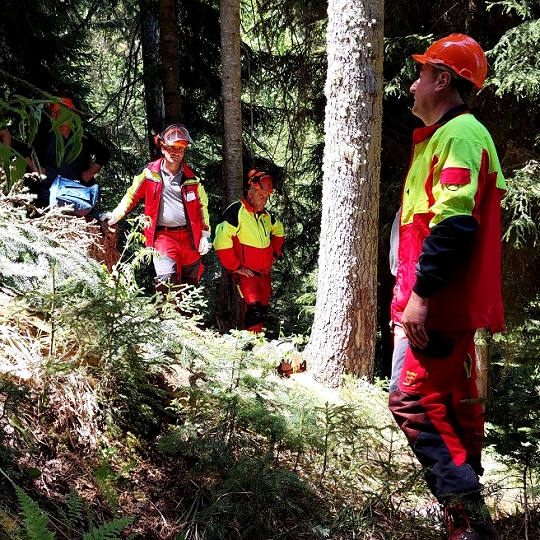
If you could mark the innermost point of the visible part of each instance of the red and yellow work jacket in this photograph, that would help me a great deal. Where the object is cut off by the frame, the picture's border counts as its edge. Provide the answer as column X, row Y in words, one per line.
column 247, row 238
column 148, row 185
column 449, row 232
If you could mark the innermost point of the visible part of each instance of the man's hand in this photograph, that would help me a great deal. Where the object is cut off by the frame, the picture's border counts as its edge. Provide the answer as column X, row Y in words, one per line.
column 246, row 272
column 91, row 172
column 109, row 219
column 413, row 320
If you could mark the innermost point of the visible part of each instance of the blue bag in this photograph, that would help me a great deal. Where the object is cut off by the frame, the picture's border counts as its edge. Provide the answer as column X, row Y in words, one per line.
column 64, row 192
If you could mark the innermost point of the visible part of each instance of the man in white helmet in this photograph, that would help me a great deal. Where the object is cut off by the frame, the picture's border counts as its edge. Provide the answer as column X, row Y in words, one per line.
column 176, row 205
column 448, row 282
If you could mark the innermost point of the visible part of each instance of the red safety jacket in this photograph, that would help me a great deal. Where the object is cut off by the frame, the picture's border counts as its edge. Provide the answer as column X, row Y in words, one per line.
column 148, row 185
column 455, row 178
column 247, row 238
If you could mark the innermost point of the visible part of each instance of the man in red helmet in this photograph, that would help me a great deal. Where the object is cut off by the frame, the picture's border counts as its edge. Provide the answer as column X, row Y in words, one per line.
column 176, row 207
column 448, row 282
column 248, row 240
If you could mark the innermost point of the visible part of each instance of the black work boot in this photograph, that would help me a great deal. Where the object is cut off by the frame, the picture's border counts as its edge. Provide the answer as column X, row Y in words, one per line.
column 480, row 520
column 458, row 523
column 470, row 520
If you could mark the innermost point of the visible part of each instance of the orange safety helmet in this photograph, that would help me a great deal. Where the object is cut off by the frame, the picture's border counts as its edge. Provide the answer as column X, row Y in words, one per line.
column 174, row 135
column 67, row 102
column 261, row 179
column 460, row 53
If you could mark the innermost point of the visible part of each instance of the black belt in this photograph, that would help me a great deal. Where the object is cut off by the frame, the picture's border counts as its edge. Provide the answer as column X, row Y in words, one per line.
column 163, row 228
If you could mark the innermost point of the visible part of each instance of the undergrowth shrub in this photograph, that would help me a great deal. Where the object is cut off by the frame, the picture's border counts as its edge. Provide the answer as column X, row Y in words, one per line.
column 104, row 327
column 513, row 428
column 30, row 252
column 271, row 457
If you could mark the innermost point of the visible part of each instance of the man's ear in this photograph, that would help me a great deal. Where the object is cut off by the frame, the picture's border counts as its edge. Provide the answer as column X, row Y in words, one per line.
column 444, row 79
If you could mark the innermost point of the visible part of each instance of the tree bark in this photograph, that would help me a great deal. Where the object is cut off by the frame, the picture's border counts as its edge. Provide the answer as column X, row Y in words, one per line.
column 344, row 329
column 231, row 93
column 168, row 47
column 230, row 311
column 153, row 89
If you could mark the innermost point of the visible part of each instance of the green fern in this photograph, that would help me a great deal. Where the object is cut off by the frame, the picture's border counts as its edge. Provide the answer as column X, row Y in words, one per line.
column 77, row 510
column 35, row 519
column 108, row 531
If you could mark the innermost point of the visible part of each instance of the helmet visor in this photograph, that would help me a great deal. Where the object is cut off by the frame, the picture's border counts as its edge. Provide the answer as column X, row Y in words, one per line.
column 176, row 135
column 263, row 183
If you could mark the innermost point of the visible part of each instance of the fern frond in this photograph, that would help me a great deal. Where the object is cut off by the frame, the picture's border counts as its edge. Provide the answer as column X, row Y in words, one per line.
column 108, row 531
column 30, row 251
column 35, row 519
column 77, row 509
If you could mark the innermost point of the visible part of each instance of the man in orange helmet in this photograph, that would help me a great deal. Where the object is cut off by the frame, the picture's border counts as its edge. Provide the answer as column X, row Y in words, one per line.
column 91, row 158
column 176, row 207
column 248, row 241
column 448, row 282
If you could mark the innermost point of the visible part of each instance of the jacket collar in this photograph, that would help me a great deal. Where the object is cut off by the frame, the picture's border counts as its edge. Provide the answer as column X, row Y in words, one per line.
column 251, row 209
column 155, row 167
column 423, row 133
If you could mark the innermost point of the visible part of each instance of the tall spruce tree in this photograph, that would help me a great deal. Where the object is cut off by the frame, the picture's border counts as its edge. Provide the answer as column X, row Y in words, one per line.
column 230, row 306
column 153, row 84
column 343, row 335
column 170, row 73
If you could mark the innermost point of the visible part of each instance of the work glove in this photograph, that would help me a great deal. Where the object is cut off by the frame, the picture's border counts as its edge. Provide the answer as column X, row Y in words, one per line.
column 109, row 219
column 204, row 243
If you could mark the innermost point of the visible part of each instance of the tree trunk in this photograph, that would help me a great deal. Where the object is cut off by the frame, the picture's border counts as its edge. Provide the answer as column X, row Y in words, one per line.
column 230, row 311
column 344, row 329
column 153, row 89
column 231, row 92
column 168, row 47
column 482, row 362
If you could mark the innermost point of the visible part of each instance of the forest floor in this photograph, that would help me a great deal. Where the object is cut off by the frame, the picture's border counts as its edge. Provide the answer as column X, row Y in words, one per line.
column 41, row 444
column 151, row 487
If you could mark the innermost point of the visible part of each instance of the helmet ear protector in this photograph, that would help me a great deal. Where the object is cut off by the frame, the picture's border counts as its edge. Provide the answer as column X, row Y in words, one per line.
column 262, row 180
column 459, row 53
column 174, row 135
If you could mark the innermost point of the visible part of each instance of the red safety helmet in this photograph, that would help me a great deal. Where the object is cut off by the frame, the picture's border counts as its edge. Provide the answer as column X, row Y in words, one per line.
column 174, row 135
column 460, row 53
column 261, row 179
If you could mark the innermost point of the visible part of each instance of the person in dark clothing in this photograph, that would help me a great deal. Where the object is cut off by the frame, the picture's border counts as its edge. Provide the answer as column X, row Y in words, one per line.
column 44, row 156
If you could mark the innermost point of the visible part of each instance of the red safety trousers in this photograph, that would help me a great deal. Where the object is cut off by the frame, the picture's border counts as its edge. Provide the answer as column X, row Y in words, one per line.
column 435, row 402
column 256, row 293
column 179, row 261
